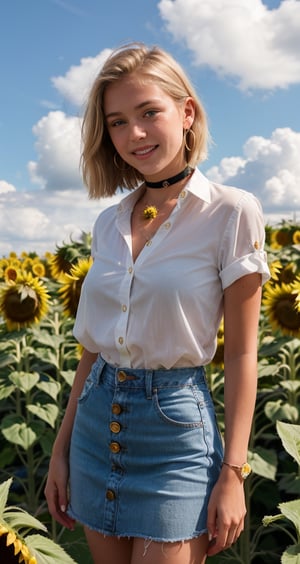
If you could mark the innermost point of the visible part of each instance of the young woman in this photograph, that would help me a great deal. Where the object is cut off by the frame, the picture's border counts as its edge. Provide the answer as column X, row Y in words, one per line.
column 138, row 459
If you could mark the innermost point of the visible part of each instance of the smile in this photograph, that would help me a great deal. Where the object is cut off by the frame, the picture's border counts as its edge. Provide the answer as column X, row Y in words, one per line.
column 145, row 151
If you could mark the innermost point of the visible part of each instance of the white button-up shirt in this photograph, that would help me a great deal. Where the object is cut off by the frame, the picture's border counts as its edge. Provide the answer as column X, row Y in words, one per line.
column 164, row 309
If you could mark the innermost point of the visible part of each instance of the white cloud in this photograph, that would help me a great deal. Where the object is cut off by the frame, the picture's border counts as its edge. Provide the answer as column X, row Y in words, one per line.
column 76, row 83
column 270, row 168
column 6, row 187
column 240, row 38
column 59, row 135
column 58, row 150
column 40, row 220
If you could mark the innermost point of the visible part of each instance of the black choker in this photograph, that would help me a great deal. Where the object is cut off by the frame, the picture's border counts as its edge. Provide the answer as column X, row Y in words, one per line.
column 169, row 181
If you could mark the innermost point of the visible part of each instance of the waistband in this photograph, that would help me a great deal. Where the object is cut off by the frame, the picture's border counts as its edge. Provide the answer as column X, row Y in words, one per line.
column 148, row 379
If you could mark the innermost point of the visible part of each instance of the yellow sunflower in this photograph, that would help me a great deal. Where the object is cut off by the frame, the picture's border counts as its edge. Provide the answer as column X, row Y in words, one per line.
column 23, row 302
column 13, row 549
column 288, row 273
column 70, row 291
column 218, row 359
column 280, row 306
column 60, row 262
column 275, row 268
column 38, row 269
column 27, row 264
column 296, row 292
column 17, row 543
column 296, row 237
column 11, row 273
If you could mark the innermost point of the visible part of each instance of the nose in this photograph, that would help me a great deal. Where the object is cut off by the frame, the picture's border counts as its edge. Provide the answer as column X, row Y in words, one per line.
column 137, row 132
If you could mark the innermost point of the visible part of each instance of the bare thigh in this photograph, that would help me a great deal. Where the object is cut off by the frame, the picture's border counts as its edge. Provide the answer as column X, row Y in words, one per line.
column 186, row 552
column 108, row 550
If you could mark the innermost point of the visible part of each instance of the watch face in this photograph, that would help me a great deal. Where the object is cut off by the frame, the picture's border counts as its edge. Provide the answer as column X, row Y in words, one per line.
column 245, row 470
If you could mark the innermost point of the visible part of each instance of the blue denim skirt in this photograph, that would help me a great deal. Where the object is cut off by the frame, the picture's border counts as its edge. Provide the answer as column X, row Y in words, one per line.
column 145, row 453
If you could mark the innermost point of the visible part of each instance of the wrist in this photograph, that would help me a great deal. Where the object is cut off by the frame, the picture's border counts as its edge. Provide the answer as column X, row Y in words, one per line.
column 242, row 470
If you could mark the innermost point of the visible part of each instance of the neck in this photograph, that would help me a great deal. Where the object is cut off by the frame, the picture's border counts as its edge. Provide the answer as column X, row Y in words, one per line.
column 169, row 181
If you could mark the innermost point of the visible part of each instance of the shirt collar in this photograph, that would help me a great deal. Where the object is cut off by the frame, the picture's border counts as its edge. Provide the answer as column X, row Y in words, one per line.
column 198, row 185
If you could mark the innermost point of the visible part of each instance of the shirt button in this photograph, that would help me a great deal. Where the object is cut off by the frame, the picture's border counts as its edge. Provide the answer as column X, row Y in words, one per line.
column 115, row 427
column 110, row 495
column 183, row 194
column 121, row 340
column 168, row 225
column 130, row 270
column 149, row 243
column 122, row 377
column 116, row 409
column 114, row 447
column 124, row 308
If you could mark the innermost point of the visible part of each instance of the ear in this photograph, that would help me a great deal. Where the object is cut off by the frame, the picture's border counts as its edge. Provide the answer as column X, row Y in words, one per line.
column 189, row 113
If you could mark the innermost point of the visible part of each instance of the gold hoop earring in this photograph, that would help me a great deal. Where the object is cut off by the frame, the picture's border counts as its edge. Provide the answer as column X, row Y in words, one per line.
column 190, row 133
column 117, row 164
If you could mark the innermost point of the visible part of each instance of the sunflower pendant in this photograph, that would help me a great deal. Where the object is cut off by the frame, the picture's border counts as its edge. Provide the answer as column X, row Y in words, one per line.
column 150, row 212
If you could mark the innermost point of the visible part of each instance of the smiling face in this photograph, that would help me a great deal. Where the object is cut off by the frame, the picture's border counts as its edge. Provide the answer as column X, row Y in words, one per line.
column 146, row 126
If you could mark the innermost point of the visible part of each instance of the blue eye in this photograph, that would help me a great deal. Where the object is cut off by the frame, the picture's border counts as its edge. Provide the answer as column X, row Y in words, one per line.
column 151, row 113
column 117, row 123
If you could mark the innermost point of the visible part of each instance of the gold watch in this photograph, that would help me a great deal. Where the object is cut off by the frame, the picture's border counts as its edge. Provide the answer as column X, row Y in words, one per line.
column 243, row 471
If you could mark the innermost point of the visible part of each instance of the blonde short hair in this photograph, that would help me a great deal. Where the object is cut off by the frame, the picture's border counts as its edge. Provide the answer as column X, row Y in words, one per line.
column 100, row 173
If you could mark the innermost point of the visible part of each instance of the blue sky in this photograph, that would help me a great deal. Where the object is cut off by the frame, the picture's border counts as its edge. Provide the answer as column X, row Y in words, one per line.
column 242, row 56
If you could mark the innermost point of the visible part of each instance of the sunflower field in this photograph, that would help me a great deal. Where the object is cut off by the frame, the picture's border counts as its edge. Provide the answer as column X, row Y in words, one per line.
column 38, row 358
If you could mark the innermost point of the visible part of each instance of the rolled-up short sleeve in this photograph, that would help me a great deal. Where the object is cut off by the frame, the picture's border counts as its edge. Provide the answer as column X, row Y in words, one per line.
column 242, row 249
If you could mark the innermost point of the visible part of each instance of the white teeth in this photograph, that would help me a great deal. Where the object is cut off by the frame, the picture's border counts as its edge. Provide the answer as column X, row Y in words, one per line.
column 144, row 152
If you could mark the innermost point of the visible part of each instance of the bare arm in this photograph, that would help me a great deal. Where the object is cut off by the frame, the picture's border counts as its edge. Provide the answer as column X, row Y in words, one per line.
column 57, row 481
column 241, row 315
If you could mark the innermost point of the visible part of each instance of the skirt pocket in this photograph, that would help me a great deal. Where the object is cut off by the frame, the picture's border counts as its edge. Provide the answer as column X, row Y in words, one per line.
column 178, row 406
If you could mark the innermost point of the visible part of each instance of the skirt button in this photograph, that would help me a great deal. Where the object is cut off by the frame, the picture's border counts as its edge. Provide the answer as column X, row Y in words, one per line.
column 116, row 408
column 115, row 427
column 115, row 447
column 110, row 495
column 122, row 376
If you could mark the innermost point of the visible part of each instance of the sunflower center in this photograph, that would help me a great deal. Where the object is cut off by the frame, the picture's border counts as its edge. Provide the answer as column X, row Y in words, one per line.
column 20, row 310
column 7, row 552
column 286, row 314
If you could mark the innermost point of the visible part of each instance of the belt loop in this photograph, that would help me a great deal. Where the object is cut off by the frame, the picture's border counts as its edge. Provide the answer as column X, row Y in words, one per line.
column 101, row 364
column 148, row 383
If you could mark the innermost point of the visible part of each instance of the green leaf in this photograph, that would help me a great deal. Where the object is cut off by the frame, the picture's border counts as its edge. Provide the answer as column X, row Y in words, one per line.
column 47, row 340
column 290, row 437
column 68, row 376
column 268, row 369
column 277, row 410
column 291, row 555
column 52, row 388
column 291, row 385
column 263, row 462
column 6, row 359
column 25, row 381
column 291, row 510
column 4, row 490
column 46, row 551
column 290, row 483
column 15, row 429
column 46, row 442
column 7, row 455
column 6, row 390
column 19, row 519
column 48, row 412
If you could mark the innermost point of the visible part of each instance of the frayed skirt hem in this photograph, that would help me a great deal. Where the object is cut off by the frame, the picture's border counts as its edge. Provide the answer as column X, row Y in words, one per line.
column 129, row 535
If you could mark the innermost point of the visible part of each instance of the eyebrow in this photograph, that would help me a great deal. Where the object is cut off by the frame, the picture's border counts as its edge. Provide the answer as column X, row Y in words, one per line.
column 138, row 107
